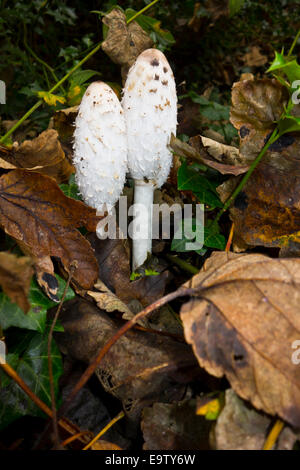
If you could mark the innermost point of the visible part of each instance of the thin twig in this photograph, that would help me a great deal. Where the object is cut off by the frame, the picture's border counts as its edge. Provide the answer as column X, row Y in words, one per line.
column 229, row 241
column 50, row 365
column 273, row 435
column 73, row 438
column 105, row 429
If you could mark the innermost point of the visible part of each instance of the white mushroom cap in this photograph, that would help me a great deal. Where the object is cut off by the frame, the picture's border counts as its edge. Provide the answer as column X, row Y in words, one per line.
column 150, row 108
column 100, row 147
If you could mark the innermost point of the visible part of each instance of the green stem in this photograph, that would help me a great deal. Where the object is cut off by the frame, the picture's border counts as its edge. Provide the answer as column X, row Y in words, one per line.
column 183, row 264
column 36, row 57
column 142, row 11
column 245, row 178
column 46, row 77
column 294, row 43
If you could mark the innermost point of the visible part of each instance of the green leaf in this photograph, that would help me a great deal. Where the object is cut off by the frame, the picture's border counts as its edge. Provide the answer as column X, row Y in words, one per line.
column 189, row 179
column 214, row 240
column 286, row 65
column 211, row 236
column 35, row 319
column 71, row 190
column 289, row 124
column 277, row 63
column 209, row 198
column 198, row 98
column 235, row 6
column 189, row 231
column 215, row 112
column 210, row 109
column 152, row 26
column 151, row 272
column 30, row 362
column 82, row 76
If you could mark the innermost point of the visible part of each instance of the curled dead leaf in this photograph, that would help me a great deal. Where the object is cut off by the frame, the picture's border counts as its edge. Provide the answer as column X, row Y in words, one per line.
column 244, row 324
column 202, row 148
column 43, row 154
column 108, row 301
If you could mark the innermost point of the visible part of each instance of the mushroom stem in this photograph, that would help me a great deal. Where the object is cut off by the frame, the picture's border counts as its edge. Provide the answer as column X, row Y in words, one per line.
column 142, row 222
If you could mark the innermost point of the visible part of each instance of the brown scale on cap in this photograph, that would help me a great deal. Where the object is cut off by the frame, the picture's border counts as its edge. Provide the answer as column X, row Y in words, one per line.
column 154, row 63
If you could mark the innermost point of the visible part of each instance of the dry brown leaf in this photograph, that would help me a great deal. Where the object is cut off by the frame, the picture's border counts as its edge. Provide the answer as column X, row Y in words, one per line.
column 15, row 277
column 34, row 211
column 240, row 427
column 244, row 325
column 43, row 154
column 124, row 43
column 174, row 427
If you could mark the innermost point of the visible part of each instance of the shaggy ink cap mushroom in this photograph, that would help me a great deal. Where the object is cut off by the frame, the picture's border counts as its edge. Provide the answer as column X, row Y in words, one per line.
column 100, row 147
column 150, row 109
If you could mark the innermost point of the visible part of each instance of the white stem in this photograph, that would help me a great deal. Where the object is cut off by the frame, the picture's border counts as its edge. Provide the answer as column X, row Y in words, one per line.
column 142, row 222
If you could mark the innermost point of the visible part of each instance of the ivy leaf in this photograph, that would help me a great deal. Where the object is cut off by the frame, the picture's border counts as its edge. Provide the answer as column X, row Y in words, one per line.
column 190, row 179
column 35, row 319
column 192, row 229
column 71, row 190
column 209, row 198
column 210, row 109
column 212, row 237
column 30, row 360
